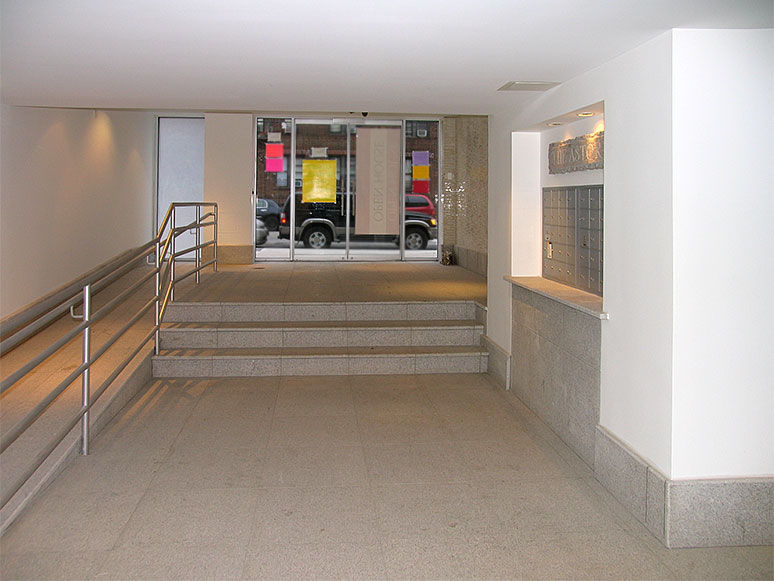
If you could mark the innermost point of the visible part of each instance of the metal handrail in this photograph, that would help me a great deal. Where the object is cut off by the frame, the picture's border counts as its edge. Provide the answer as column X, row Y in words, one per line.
column 169, row 232
column 25, row 323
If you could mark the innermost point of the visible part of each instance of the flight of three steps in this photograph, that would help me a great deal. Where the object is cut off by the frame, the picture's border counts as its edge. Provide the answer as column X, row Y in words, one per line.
column 270, row 339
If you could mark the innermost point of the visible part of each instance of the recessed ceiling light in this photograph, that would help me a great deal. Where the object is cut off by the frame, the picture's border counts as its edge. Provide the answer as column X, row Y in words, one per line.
column 528, row 86
column 554, row 124
column 586, row 114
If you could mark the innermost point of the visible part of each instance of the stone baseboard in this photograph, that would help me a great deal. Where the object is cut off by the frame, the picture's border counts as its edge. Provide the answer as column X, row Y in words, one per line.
column 499, row 366
column 714, row 513
column 471, row 260
column 231, row 254
column 480, row 315
column 686, row 513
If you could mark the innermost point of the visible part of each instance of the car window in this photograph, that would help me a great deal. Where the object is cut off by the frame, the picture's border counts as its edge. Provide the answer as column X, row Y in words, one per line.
column 262, row 204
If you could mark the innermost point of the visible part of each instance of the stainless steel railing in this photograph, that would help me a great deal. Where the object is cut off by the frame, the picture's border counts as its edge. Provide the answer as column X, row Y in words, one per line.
column 166, row 252
column 24, row 324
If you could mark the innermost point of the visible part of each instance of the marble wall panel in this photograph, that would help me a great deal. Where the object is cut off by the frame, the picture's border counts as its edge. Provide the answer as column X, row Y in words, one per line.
column 465, row 190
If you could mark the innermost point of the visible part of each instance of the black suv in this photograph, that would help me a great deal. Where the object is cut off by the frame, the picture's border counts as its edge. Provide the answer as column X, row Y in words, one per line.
column 318, row 224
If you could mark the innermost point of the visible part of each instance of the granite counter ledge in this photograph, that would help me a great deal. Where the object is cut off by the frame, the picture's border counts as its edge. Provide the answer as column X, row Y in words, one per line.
column 567, row 295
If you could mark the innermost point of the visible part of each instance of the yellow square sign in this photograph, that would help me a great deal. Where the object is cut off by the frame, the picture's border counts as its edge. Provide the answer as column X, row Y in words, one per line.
column 319, row 177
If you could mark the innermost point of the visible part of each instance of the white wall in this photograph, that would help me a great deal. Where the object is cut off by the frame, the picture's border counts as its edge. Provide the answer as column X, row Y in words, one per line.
column 723, row 271
column 636, row 389
column 527, row 208
column 229, row 174
column 76, row 190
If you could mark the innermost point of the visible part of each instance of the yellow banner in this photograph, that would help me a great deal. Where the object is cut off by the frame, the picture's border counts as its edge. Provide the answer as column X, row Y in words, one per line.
column 319, row 177
column 421, row 172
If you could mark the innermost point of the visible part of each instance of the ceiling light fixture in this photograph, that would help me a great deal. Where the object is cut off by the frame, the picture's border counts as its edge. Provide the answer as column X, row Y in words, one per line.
column 554, row 124
column 586, row 114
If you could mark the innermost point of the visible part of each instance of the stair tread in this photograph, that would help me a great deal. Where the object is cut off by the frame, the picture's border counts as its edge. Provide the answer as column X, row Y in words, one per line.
column 321, row 351
column 279, row 325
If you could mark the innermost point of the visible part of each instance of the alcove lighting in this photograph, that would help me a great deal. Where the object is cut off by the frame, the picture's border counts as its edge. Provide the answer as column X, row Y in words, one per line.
column 586, row 114
column 554, row 124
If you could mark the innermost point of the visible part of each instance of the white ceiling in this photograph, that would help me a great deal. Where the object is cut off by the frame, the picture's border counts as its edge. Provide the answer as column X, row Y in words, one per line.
column 396, row 56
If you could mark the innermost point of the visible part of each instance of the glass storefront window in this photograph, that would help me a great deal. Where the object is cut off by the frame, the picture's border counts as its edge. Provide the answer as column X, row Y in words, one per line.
column 374, row 216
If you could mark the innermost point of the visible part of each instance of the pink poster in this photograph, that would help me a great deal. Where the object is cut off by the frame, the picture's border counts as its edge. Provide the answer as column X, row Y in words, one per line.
column 274, row 164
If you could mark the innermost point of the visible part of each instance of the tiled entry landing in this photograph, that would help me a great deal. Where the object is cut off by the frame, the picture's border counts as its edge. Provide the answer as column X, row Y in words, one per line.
column 335, row 282
column 360, row 477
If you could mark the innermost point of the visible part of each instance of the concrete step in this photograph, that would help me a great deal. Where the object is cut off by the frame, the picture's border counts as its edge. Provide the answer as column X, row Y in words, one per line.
column 320, row 334
column 282, row 361
column 180, row 312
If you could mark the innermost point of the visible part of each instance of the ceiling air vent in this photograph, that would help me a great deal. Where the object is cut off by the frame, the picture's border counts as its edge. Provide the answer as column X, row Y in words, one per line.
column 528, row 86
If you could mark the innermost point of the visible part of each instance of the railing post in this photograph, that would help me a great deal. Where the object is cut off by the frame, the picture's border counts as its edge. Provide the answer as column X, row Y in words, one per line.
column 172, row 261
column 215, row 246
column 198, row 241
column 158, row 291
column 85, row 378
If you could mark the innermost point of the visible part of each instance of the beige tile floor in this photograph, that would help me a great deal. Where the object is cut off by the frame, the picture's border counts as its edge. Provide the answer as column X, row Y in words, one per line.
column 377, row 477
column 386, row 477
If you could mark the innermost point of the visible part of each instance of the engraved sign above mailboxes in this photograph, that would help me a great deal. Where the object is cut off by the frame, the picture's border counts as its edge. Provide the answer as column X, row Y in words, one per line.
column 578, row 154
column 573, row 220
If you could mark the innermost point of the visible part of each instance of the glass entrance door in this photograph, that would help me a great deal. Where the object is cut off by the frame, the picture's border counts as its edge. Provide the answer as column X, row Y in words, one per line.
column 348, row 190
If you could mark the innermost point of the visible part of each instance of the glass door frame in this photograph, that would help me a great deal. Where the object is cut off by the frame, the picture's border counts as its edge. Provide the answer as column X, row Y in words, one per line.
column 296, row 121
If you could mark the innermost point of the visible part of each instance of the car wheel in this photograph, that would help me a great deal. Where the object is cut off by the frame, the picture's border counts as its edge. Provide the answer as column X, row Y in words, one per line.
column 272, row 223
column 416, row 239
column 317, row 237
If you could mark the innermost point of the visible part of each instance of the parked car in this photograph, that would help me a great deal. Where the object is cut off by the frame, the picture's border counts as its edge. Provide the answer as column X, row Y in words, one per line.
column 319, row 224
column 261, row 232
column 420, row 203
column 269, row 212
